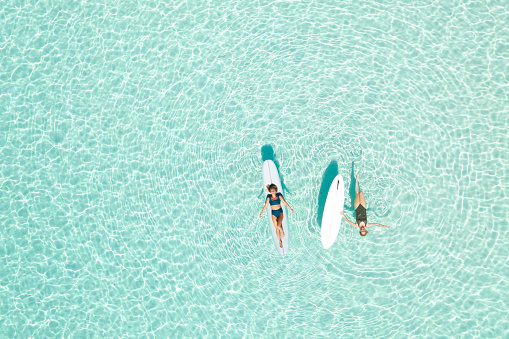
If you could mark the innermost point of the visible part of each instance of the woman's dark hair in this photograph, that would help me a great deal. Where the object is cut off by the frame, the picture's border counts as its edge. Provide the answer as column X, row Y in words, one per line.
column 271, row 186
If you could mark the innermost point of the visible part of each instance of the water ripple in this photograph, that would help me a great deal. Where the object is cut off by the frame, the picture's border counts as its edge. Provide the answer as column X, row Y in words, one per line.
column 132, row 138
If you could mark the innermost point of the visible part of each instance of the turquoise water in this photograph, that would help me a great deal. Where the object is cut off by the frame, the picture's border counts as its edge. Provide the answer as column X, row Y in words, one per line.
column 132, row 136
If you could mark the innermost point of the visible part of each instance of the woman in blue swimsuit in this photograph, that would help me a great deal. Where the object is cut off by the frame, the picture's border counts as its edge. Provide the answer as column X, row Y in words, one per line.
column 275, row 199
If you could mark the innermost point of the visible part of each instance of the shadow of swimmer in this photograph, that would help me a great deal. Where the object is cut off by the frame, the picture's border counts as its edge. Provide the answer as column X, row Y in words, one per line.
column 328, row 177
column 351, row 190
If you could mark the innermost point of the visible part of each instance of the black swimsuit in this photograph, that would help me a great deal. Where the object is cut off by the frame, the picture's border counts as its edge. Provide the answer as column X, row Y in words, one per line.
column 361, row 216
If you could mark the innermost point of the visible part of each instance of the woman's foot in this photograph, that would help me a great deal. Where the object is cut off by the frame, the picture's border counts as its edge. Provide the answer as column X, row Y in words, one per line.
column 283, row 233
column 280, row 244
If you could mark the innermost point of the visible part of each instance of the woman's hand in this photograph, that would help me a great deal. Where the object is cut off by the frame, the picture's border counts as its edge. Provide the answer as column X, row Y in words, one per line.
column 260, row 215
column 343, row 214
column 291, row 209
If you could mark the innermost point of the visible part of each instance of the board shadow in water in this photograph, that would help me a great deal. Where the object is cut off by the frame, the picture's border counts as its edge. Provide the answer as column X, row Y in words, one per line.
column 351, row 190
column 328, row 177
column 269, row 154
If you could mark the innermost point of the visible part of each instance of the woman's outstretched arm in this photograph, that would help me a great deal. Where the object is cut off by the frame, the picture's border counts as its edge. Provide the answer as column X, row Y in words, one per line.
column 379, row 225
column 348, row 221
column 286, row 204
column 264, row 207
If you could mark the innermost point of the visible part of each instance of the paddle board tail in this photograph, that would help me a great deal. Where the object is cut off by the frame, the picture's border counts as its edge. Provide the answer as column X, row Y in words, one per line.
column 332, row 217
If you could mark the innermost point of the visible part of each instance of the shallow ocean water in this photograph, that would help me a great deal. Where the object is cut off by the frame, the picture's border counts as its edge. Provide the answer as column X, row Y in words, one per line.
column 132, row 136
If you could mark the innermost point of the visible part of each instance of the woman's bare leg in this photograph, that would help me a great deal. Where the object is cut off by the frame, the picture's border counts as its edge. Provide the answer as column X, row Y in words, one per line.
column 274, row 220
column 278, row 233
column 362, row 200
column 279, row 222
column 359, row 196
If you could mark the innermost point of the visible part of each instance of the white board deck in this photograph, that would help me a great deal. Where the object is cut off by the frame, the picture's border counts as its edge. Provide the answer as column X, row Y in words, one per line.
column 271, row 176
column 331, row 220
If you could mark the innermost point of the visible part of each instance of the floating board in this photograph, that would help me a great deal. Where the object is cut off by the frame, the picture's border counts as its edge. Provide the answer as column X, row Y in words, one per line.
column 331, row 213
column 271, row 176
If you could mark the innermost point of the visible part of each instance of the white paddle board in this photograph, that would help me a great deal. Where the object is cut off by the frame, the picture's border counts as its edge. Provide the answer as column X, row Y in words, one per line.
column 331, row 213
column 271, row 176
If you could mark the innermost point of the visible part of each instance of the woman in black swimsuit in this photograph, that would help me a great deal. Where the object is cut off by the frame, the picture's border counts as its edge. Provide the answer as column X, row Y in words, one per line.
column 360, row 211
